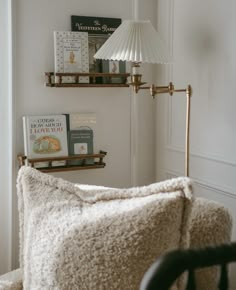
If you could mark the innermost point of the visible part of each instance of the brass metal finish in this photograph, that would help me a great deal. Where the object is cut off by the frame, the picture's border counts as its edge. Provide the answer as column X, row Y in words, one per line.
column 170, row 89
column 136, row 82
column 187, row 133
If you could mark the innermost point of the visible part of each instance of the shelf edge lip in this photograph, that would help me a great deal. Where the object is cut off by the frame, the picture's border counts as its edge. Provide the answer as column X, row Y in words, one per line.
column 98, row 162
column 64, row 169
column 62, row 158
column 88, row 74
column 87, row 85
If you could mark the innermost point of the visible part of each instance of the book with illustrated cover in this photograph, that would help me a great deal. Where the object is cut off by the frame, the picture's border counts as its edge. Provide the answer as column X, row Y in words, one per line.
column 45, row 136
column 71, row 54
column 114, row 66
column 81, row 142
column 81, row 132
column 98, row 29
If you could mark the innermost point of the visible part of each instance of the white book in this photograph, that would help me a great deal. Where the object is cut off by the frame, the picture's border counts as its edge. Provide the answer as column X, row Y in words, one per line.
column 78, row 120
column 71, row 54
column 45, row 136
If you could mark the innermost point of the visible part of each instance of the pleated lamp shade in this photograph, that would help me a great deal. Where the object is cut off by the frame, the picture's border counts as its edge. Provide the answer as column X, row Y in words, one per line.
column 134, row 41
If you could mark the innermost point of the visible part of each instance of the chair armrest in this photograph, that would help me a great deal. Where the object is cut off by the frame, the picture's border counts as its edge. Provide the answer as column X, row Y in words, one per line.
column 11, row 280
column 210, row 225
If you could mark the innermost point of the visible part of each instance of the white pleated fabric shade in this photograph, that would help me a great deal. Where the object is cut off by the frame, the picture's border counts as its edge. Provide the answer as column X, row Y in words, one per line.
column 135, row 41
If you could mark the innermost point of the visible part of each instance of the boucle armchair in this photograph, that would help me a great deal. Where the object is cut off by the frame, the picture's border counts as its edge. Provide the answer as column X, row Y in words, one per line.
column 74, row 236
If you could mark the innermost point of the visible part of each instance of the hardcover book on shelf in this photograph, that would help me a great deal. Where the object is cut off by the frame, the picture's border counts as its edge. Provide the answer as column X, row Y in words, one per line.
column 114, row 66
column 45, row 136
column 81, row 142
column 77, row 120
column 99, row 29
column 71, row 54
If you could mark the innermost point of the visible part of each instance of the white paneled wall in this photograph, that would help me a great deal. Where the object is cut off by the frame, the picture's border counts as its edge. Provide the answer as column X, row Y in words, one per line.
column 35, row 22
column 203, row 57
column 201, row 36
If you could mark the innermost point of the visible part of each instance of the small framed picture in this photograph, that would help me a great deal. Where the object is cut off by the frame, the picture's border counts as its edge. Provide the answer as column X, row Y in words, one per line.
column 114, row 66
column 81, row 148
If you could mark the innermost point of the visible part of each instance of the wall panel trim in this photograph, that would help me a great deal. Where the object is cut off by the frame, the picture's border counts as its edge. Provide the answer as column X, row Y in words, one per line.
column 205, row 156
column 228, row 192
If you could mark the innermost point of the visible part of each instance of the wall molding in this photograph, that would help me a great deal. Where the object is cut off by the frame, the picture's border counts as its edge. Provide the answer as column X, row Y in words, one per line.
column 221, row 190
column 169, row 15
column 204, row 156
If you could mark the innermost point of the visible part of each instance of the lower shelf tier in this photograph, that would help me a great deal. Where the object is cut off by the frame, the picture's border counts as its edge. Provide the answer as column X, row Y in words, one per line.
column 65, row 163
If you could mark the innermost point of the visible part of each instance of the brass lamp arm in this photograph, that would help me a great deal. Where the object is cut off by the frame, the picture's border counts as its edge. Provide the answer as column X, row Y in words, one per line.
column 170, row 89
column 154, row 90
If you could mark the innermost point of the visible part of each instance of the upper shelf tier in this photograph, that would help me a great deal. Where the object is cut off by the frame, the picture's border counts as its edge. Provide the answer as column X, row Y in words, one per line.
column 95, row 79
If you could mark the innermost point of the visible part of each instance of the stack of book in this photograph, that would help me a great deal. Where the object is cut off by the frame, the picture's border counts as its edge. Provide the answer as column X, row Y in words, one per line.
column 74, row 50
column 48, row 136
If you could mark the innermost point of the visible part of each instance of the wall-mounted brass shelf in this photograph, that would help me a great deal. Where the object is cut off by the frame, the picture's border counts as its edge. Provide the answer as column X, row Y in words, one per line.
column 98, row 162
column 108, row 79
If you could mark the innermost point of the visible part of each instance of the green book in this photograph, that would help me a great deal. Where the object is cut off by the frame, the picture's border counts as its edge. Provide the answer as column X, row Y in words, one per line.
column 81, row 142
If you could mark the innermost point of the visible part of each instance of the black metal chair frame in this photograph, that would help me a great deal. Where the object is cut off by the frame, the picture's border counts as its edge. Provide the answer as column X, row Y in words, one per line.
column 164, row 272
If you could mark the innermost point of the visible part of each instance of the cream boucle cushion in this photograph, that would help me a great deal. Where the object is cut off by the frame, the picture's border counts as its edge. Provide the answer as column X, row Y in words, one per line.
column 77, row 238
column 210, row 224
column 11, row 281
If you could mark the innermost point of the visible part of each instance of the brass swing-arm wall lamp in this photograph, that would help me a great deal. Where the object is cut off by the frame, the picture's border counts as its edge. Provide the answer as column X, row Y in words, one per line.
column 137, row 84
column 138, row 42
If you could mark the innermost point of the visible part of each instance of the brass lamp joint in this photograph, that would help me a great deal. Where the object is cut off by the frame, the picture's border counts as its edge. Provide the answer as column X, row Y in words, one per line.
column 136, row 77
column 154, row 90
